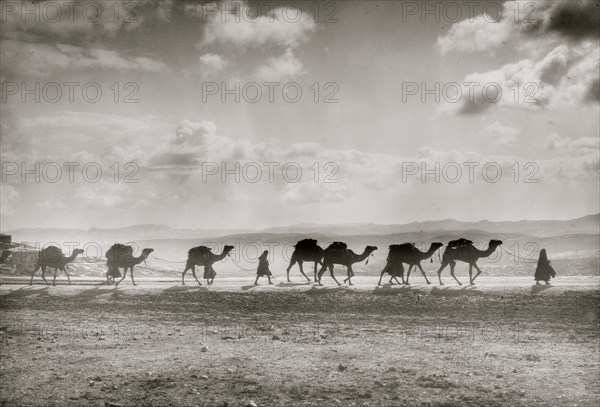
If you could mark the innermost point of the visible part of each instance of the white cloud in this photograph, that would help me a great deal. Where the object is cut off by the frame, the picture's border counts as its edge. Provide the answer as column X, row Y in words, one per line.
column 235, row 27
column 501, row 135
column 565, row 76
column 523, row 21
column 41, row 59
column 569, row 144
column 283, row 67
column 481, row 34
column 211, row 64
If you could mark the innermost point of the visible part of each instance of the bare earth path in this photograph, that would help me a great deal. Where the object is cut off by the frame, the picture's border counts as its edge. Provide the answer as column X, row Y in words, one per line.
column 502, row 342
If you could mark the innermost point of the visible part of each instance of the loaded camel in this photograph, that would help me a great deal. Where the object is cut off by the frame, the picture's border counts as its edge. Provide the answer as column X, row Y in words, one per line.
column 121, row 256
column 463, row 250
column 338, row 253
column 409, row 254
column 203, row 256
column 52, row 256
column 306, row 250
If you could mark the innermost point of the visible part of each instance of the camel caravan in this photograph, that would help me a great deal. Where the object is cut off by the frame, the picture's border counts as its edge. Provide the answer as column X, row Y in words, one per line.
column 121, row 256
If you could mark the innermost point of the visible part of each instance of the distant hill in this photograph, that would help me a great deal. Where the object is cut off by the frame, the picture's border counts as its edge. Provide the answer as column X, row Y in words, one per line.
column 585, row 225
column 537, row 228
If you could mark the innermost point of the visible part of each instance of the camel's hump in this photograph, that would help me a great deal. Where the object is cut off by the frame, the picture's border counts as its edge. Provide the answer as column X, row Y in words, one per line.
column 459, row 242
column 402, row 246
column 119, row 249
column 337, row 246
column 199, row 251
column 306, row 244
column 51, row 253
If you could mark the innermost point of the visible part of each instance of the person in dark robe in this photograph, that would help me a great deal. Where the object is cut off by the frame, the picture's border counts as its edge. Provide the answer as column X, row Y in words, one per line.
column 544, row 271
column 112, row 273
column 263, row 268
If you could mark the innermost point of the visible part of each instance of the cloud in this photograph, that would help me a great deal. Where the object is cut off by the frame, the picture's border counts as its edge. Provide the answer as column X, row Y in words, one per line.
column 41, row 59
column 571, row 145
column 231, row 24
column 283, row 67
column 523, row 21
column 211, row 64
column 481, row 34
column 501, row 135
column 73, row 22
column 565, row 76
column 575, row 19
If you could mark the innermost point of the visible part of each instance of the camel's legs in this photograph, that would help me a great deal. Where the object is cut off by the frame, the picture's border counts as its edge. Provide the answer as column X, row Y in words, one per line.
column 333, row 275
column 132, row 280
column 410, row 267
column 452, row 265
column 37, row 267
column 470, row 273
column 122, row 278
column 422, row 272
column 187, row 267
column 302, row 270
column 68, row 276
column 439, row 272
column 44, row 274
column 54, row 280
column 194, row 274
column 478, row 272
column 350, row 275
column 292, row 262
column 321, row 272
column 315, row 269
column 381, row 276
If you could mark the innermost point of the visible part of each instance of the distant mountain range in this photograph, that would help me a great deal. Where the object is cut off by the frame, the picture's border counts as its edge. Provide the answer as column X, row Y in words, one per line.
column 539, row 228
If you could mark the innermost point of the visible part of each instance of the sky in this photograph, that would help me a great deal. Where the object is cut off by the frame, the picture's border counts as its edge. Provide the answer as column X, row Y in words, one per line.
column 346, row 112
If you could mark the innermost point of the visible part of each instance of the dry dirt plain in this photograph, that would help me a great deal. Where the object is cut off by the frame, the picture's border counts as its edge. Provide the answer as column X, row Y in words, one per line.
column 502, row 342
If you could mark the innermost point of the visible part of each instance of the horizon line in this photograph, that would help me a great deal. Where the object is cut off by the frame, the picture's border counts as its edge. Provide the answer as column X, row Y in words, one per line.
column 303, row 224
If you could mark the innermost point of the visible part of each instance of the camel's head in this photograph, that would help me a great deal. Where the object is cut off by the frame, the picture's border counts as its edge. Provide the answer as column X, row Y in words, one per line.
column 77, row 252
column 146, row 252
column 495, row 243
column 228, row 248
column 370, row 249
column 436, row 245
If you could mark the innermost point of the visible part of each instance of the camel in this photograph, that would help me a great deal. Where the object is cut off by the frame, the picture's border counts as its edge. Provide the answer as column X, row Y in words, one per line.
column 306, row 250
column 203, row 256
column 409, row 254
column 338, row 253
column 122, row 257
column 52, row 256
column 463, row 250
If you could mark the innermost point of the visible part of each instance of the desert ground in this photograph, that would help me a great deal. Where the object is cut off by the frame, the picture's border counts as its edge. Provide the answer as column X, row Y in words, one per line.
column 504, row 341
